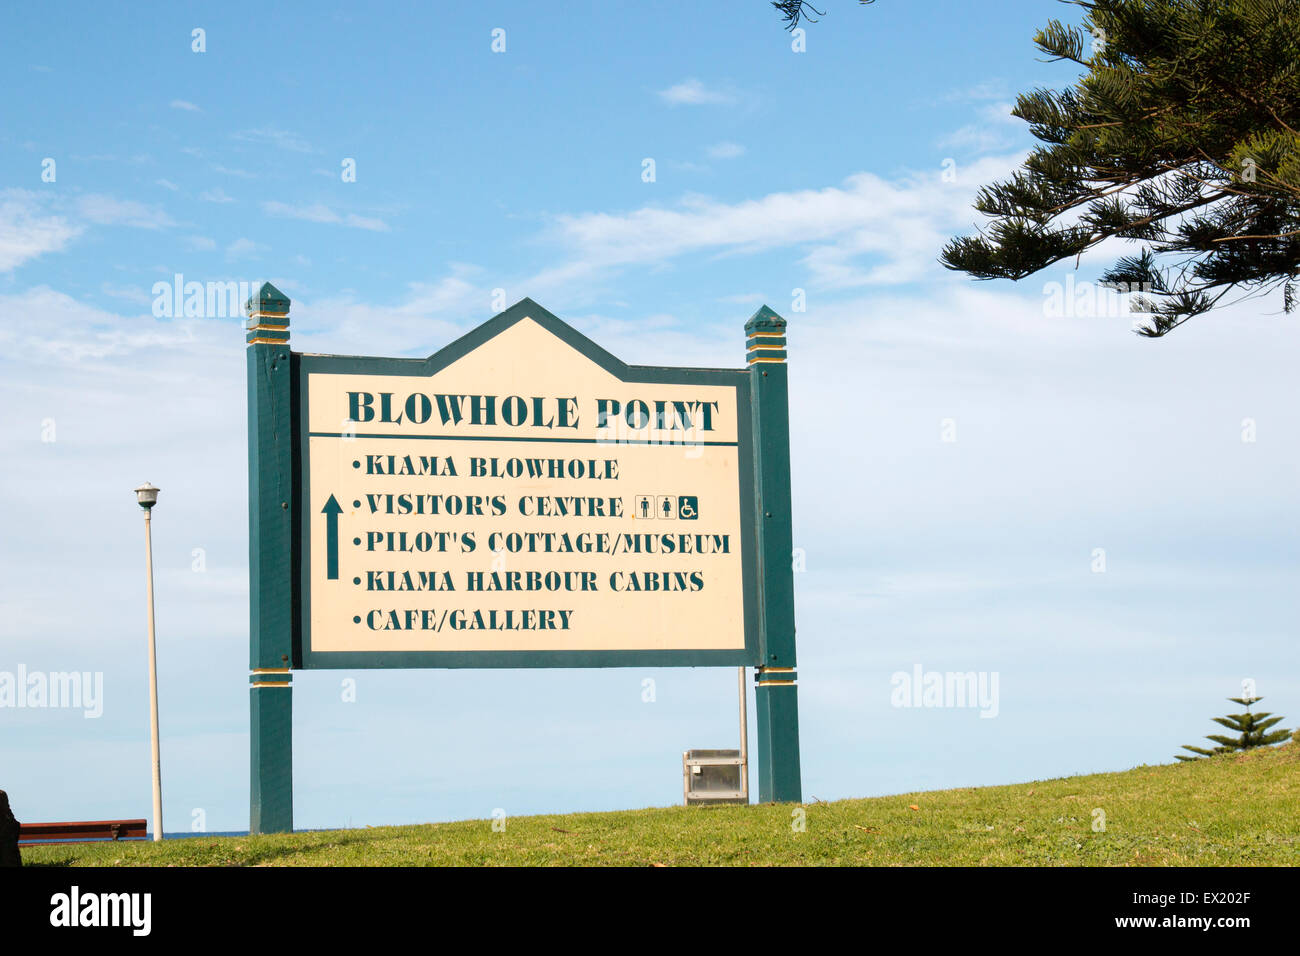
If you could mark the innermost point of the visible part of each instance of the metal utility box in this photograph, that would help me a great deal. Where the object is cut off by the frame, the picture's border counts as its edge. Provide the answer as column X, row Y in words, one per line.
column 714, row 776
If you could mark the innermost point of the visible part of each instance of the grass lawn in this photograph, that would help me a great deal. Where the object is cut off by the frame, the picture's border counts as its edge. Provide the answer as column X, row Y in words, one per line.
column 1241, row 809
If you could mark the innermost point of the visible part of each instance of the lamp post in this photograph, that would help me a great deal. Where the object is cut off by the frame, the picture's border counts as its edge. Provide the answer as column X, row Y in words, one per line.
column 744, row 734
column 147, row 496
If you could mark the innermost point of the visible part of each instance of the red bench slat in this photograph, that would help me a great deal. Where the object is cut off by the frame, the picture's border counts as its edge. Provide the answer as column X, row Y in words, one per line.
column 81, row 831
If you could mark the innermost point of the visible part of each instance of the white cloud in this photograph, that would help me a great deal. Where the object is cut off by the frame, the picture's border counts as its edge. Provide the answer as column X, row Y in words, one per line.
column 900, row 224
column 1054, row 404
column 72, row 332
column 315, row 212
column 1000, row 112
column 133, row 294
column 217, row 195
column 984, row 90
column 243, row 249
column 270, row 136
column 725, row 151
column 692, row 92
column 319, row 212
column 365, row 222
column 995, row 130
column 201, row 243
column 29, row 226
column 429, row 316
column 108, row 211
column 185, row 105
column 167, row 184
column 26, row 231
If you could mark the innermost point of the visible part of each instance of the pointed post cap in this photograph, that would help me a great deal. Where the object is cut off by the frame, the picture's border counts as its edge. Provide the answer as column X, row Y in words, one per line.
column 765, row 338
column 765, row 320
column 268, row 300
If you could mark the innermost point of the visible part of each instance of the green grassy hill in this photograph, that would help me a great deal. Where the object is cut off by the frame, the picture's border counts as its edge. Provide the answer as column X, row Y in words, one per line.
column 1241, row 809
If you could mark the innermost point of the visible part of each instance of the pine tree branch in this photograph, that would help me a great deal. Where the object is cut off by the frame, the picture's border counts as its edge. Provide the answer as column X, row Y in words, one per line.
column 1277, row 235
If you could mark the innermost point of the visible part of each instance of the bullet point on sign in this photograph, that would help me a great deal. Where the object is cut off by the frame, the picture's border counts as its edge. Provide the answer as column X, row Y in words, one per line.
column 356, row 464
column 356, row 580
column 356, row 540
column 356, row 619
column 356, row 504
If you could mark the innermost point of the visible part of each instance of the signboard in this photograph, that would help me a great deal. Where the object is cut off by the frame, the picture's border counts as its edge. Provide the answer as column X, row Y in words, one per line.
column 521, row 498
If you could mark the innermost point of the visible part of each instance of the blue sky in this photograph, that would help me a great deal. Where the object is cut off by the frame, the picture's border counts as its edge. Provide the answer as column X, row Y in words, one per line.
column 775, row 171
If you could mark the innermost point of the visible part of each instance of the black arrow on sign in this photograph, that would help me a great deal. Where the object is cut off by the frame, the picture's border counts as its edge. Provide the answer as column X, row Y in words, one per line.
column 332, row 512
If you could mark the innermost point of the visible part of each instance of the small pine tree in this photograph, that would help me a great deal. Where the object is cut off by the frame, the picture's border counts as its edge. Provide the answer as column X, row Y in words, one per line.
column 1253, row 728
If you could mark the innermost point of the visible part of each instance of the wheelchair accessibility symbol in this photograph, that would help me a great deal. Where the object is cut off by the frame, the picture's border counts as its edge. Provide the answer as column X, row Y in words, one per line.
column 686, row 507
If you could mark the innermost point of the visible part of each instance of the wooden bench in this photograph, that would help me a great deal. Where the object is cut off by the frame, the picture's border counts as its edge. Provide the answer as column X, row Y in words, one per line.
column 36, row 834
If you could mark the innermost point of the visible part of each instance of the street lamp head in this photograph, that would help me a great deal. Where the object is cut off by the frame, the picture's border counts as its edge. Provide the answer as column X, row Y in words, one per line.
column 147, row 495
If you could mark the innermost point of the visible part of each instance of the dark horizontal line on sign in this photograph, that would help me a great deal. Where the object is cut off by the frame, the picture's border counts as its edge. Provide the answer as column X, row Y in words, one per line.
column 570, row 441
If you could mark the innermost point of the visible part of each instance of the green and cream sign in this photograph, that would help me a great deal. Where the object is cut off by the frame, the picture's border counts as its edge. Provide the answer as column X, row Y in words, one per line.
column 524, row 498
column 520, row 498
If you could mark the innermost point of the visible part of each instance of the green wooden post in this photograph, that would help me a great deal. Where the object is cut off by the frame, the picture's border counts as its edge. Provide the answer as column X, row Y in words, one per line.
column 270, row 563
column 776, row 695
